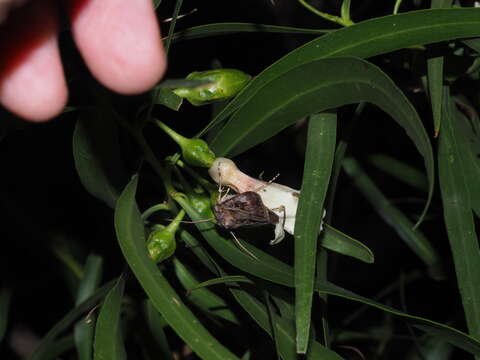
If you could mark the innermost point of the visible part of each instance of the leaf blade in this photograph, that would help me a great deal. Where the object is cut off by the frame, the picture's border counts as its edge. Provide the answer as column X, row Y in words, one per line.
column 334, row 240
column 419, row 244
column 48, row 340
column 218, row 29
column 108, row 342
column 96, row 153
column 368, row 38
column 131, row 237
column 319, row 156
column 315, row 87
column 458, row 215
column 84, row 330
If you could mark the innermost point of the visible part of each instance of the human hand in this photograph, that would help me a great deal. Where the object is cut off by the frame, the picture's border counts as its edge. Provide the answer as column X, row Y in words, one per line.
column 119, row 41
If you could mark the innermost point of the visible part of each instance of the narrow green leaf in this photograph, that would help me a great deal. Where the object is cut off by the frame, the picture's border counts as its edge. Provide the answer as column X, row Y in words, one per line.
column 247, row 355
column 108, row 330
column 337, row 163
column 430, row 348
column 49, row 339
column 273, row 319
column 469, row 141
column 368, row 38
column 198, row 250
column 284, row 303
column 432, row 328
column 156, row 323
column 59, row 347
column 319, row 156
column 457, row 210
column 435, row 89
column 5, row 296
column 171, row 29
column 168, row 98
column 400, row 171
column 202, row 297
column 131, row 237
column 96, row 152
column 285, row 329
column 435, row 76
column 208, row 30
column 83, row 337
column 266, row 267
column 392, row 215
column 437, row 4
column 334, row 240
column 474, row 44
column 220, row 280
column 83, row 331
column 315, row 87
column 91, row 279
column 282, row 274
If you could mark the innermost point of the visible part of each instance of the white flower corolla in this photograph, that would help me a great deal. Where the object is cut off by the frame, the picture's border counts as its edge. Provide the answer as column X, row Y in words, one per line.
column 280, row 199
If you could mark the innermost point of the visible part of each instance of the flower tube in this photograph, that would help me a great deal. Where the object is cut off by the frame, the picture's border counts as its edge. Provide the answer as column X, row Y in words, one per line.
column 280, row 199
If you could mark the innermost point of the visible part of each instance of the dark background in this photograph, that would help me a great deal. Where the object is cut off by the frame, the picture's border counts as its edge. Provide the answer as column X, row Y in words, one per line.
column 43, row 203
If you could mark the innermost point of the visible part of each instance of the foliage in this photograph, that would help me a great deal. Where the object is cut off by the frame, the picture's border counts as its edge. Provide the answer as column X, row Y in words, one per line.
column 179, row 289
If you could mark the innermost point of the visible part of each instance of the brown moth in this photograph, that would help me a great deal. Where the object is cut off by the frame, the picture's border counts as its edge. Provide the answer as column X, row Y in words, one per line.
column 243, row 210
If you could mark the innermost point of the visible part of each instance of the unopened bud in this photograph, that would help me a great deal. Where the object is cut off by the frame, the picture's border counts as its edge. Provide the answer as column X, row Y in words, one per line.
column 222, row 84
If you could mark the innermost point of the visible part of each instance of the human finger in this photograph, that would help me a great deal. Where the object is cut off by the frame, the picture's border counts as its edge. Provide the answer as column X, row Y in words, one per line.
column 120, row 42
column 32, row 83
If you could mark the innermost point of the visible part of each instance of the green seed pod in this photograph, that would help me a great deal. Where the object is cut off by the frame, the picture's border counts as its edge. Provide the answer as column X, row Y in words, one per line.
column 223, row 84
column 203, row 204
column 161, row 243
column 195, row 152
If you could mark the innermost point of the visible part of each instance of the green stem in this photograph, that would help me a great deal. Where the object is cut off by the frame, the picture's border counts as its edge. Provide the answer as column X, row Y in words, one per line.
column 153, row 209
column 345, row 12
column 173, row 226
column 176, row 12
column 326, row 16
column 397, row 6
column 69, row 261
column 179, row 139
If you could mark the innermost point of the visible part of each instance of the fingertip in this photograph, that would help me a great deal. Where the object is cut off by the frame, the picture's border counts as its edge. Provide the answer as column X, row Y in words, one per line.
column 120, row 43
column 35, row 103
column 135, row 78
column 32, row 84
column 40, row 107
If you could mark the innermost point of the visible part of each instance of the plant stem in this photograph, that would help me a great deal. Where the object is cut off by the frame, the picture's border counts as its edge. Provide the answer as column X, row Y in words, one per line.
column 397, row 6
column 179, row 139
column 153, row 209
column 326, row 16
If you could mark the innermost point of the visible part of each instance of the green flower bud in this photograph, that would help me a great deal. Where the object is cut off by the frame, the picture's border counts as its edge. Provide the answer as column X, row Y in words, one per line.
column 203, row 204
column 161, row 245
column 161, row 242
column 223, row 84
column 195, row 152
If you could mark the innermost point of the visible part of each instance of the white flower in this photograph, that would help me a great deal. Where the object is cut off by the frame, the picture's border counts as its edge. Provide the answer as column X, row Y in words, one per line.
column 280, row 199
